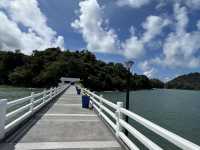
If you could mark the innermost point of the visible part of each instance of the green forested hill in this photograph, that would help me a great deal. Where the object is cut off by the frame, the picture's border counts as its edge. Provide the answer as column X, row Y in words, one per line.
column 44, row 69
column 157, row 83
column 189, row 81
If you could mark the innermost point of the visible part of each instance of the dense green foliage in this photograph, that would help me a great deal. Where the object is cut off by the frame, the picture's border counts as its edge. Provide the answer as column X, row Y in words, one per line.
column 190, row 81
column 44, row 69
column 157, row 83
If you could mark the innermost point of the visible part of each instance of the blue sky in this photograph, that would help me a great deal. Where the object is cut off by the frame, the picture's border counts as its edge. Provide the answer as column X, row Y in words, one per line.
column 161, row 36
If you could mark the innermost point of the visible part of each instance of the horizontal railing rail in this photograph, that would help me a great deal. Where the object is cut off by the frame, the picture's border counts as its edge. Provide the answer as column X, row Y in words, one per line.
column 101, row 105
column 15, row 112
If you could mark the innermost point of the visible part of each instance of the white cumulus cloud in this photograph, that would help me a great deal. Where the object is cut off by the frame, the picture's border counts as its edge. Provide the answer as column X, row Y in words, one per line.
column 90, row 24
column 192, row 4
column 26, row 13
column 132, row 3
column 153, row 27
column 133, row 47
column 100, row 38
column 147, row 69
column 198, row 25
column 181, row 47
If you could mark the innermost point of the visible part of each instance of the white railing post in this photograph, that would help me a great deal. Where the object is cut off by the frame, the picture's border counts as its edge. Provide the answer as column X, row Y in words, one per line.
column 51, row 93
column 60, row 90
column 44, row 95
column 32, row 101
column 56, row 90
column 118, row 116
column 101, row 104
column 84, row 91
column 92, row 102
column 3, row 107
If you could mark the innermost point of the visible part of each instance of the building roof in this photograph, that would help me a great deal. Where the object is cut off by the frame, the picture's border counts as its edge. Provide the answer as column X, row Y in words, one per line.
column 67, row 79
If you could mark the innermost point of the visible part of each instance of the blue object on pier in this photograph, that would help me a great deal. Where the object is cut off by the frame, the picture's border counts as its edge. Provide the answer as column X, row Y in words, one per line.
column 85, row 101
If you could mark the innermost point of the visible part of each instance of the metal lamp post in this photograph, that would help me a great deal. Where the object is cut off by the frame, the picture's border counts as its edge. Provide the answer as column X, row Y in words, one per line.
column 128, row 66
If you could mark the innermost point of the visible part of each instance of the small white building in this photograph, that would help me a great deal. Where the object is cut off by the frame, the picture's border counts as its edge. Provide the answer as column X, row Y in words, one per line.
column 69, row 80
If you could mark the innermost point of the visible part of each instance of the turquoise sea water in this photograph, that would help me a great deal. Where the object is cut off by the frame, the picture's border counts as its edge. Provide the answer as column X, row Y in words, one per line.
column 175, row 110
column 12, row 93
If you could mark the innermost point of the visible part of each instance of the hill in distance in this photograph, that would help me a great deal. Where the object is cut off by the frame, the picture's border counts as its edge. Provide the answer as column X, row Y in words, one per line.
column 189, row 81
column 45, row 68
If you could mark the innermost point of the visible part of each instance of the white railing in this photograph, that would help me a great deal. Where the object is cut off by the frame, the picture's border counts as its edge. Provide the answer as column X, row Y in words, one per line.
column 15, row 112
column 102, row 105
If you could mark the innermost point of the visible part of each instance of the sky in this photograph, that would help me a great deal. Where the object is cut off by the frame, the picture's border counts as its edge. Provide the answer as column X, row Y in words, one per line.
column 162, row 37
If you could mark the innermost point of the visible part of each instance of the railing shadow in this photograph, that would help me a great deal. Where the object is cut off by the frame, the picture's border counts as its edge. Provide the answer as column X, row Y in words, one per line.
column 9, row 142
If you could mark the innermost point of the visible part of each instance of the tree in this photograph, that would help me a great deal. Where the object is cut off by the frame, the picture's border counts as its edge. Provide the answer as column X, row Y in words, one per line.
column 8, row 62
column 45, row 68
column 190, row 81
column 155, row 83
column 22, row 76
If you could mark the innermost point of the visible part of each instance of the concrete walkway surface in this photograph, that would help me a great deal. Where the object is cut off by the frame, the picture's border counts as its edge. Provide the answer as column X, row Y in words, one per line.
column 63, row 124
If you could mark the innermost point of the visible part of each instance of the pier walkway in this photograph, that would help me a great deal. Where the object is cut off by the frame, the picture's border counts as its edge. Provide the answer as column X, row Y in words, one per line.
column 55, row 120
column 63, row 124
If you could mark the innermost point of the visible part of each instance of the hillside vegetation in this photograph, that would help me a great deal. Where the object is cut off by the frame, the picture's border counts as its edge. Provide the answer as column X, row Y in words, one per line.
column 44, row 69
column 190, row 81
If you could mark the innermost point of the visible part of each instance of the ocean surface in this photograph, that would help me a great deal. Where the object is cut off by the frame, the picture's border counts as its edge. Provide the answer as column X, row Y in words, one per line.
column 175, row 110
column 11, row 93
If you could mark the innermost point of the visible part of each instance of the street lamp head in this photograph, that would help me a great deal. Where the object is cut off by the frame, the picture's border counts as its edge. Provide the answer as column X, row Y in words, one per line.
column 128, row 64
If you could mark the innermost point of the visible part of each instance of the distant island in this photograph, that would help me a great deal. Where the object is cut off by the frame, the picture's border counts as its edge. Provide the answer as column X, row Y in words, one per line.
column 44, row 69
column 189, row 81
